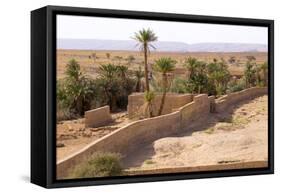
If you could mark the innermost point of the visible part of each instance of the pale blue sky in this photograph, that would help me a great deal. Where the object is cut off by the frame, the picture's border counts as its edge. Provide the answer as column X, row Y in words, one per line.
column 82, row 27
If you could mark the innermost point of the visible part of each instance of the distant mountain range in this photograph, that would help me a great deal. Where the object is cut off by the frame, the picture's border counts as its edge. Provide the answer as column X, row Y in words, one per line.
column 168, row 46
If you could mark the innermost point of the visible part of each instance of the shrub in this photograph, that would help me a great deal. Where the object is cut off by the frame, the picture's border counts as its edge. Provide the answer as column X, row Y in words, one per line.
column 74, row 92
column 99, row 165
column 116, row 83
column 236, row 85
column 180, row 86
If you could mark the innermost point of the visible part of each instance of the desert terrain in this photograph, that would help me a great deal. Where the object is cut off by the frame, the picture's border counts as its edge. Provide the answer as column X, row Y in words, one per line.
column 72, row 135
column 90, row 60
column 237, row 135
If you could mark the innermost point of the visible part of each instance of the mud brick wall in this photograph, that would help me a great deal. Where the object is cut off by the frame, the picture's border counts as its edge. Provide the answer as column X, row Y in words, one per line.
column 125, row 140
column 233, row 98
column 97, row 117
column 134, row 135
column 173, row 101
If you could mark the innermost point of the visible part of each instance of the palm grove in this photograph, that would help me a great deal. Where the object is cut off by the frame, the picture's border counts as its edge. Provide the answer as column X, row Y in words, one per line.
column 77, row 93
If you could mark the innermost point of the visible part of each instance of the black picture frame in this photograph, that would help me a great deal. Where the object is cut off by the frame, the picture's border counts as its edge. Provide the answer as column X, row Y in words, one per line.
column 43, row 95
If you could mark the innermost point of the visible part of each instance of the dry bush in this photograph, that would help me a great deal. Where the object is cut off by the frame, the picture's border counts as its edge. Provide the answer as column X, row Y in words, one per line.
column 99, row 165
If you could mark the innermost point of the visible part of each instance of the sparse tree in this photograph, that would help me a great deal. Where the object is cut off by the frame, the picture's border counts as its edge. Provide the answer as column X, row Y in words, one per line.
column 232, row 60
column 94, row 56
column 130, row 59
column 118, row 58
column 107, row 55
column 250, row 58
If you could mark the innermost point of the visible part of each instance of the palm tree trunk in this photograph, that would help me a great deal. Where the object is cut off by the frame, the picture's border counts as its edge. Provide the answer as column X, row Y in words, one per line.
column 146, row 68
column 164, row 94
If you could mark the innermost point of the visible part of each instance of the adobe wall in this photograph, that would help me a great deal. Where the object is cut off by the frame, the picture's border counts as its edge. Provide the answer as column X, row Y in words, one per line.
column 230, row 99
column 172, row 102
column 97, row 117
column 200, row 107
column 125, row 139
column 131, row 137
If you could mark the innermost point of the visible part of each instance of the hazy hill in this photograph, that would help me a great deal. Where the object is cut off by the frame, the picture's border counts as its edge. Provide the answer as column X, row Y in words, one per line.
column 93, row 44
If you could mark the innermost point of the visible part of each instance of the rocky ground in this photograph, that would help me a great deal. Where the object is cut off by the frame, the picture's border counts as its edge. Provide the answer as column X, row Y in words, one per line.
column 236, row 135
column 73, row 136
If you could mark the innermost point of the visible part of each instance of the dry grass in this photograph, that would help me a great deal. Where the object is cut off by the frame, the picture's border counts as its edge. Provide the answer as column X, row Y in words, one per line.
column 90, row 65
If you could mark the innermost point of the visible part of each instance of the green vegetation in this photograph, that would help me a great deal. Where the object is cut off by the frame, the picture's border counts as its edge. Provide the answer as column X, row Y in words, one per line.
column 164, row 66
column 218, row 76
column 99, row 165
column 149, row 162
column 144, row 38
column 149, row 97
column 139, row 74
column 115, row 84
column 77, row 93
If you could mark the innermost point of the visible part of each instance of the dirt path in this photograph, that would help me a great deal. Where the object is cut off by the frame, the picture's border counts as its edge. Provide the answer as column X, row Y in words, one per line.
column 237, row 135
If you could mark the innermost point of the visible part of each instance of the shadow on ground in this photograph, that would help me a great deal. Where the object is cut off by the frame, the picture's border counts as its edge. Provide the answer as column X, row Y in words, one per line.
column 146, row 151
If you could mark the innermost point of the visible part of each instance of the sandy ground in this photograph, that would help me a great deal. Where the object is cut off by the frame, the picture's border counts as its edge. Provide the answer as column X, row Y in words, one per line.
column 237, row 135
column 73, row 136
column 91, row 66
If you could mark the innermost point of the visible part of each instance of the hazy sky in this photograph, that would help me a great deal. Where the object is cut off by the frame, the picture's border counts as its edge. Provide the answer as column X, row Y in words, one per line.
column 81, row 27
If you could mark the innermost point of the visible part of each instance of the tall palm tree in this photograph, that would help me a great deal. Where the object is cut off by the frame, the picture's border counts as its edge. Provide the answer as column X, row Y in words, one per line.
column 144, row 38
column 164, row 66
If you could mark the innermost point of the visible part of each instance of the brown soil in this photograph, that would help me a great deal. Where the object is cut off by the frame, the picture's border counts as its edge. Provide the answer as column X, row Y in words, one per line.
column 73, row 136
column 237, row 135
column 90, row 66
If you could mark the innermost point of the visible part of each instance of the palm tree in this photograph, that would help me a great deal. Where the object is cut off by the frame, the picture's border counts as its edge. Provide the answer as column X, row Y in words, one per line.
column 75, row 90
column 264, row 69
column 191, row 64
column 218, row 76
column 139, row 75
column 108, row 74
column 144, row 38
column 123, row 71
column 164, row 66
column 249, row 73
